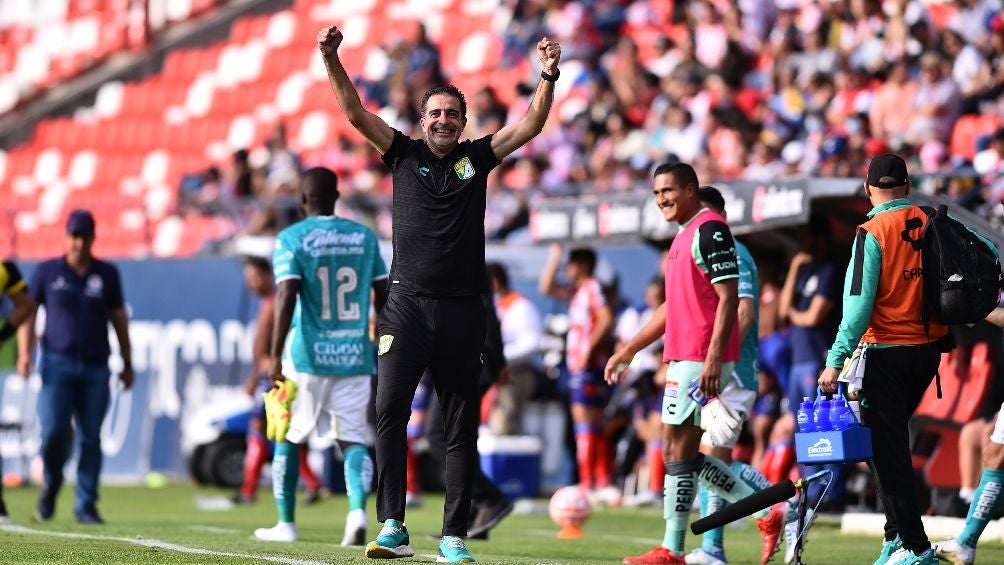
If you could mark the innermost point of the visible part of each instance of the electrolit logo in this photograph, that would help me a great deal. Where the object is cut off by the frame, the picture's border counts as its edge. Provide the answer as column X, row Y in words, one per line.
column 821, row 447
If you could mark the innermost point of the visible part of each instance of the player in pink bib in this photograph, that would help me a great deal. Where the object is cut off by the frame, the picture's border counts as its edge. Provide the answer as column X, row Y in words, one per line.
column 701, row 348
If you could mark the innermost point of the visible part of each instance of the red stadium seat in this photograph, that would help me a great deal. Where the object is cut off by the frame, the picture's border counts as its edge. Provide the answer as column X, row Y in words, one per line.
column 941, row 420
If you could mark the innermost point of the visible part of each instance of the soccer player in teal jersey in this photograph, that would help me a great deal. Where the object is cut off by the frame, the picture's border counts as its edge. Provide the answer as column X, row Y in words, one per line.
column 740, row 393
column 325, row 267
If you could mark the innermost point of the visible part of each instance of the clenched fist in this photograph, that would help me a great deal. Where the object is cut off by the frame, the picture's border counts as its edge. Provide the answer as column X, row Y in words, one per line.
column 549, row 53
column 328, row 40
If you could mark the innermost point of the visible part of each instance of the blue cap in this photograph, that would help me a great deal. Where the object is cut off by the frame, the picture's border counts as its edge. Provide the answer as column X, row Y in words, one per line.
column 80, row 222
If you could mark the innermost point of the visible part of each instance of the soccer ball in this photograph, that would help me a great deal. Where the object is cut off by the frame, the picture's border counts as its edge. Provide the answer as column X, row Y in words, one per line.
column 569, row 509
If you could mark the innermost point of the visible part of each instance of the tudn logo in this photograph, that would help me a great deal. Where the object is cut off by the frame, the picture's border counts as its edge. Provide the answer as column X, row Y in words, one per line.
column 821, row 447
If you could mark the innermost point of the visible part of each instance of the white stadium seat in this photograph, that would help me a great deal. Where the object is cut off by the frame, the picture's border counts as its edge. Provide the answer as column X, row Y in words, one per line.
column 281, row 27
column 82, row 168
column 48, row 165
column 108, row 100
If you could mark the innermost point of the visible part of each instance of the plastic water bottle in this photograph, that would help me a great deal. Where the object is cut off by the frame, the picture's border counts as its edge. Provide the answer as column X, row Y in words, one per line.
column 841, row 417
column 805, row 423
column 695, row 392
column 821, row 415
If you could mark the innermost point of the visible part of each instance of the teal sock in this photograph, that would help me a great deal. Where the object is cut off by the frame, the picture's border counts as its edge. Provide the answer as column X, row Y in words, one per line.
column 720, row 480
column 358, row 475
column 750, row 475
column 285, row 475
column 983, row 507
column 711, row 503
column 679, row 497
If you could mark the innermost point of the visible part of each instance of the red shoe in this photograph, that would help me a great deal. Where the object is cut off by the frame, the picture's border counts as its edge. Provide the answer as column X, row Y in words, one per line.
column 770, row 527
column 658, row 555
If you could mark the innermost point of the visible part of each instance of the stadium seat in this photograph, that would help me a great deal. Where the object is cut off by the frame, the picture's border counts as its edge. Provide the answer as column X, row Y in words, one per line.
column 939, row 421
column 131, row 149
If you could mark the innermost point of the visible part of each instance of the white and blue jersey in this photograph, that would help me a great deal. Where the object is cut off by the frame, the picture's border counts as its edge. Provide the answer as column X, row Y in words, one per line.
column 336, row 261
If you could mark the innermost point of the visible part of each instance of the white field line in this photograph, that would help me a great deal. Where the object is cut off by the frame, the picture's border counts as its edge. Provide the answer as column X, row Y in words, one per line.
column 163, row 545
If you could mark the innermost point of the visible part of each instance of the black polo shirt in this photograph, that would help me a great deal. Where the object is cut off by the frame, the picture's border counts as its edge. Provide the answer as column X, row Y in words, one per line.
column 439, row 217
column 77, row 308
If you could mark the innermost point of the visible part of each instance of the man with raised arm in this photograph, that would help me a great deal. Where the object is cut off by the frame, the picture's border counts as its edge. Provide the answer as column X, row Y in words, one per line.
column 434, row 317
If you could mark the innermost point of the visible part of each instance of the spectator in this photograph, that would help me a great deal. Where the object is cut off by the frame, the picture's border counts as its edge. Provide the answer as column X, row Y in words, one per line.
column 81, row 295
column 935, row 104
column 522, row 330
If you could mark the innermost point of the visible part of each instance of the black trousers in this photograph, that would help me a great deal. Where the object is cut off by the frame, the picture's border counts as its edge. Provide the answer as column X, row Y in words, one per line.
column 483, row 490
column 894, row 383
column 444, row 335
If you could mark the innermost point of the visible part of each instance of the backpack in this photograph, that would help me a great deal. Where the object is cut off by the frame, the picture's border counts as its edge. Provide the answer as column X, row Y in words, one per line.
column 962, row 275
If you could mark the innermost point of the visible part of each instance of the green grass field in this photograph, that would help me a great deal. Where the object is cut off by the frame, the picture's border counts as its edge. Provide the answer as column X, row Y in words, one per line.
column 166, row 526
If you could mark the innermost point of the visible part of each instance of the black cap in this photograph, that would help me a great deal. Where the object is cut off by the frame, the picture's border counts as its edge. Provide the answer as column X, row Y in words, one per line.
column 890, row 167
column 80, row 222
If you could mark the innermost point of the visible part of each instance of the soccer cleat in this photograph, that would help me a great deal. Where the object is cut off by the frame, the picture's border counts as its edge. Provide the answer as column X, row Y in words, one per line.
column 791, row 535
column 770, row 530
column 277, row 404
column 311, row 496
column 644, row 498
column 46, row 506
column 701, row 556
column 392, row 542
column 658, row 555
column 954, row 552
column 888, row 548
column 88, row 517
column 283, row 531
column 355, row 528
column 904, row 556
column 487, row 517
column 453, row 550
column 242, row 500
column 608, row 496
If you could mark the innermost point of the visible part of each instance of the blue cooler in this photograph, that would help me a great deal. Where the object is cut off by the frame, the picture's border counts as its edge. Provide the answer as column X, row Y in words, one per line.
column 512, row 463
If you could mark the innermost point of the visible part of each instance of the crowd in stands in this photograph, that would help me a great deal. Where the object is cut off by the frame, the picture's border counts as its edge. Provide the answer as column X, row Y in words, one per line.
column 757, row 90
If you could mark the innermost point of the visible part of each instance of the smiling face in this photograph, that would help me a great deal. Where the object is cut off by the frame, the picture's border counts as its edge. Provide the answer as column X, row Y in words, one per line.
column 442, row 123
column 677, row 201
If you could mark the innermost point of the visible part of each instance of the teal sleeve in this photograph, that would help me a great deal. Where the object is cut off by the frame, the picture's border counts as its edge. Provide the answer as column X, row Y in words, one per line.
column 284, row 263
column 860, row 286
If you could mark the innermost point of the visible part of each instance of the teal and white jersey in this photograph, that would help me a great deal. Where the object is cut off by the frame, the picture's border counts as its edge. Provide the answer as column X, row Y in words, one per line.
column 336, row 261
column 749, row 287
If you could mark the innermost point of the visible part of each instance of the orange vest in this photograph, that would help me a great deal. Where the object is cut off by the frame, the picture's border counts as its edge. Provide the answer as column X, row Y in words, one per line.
column 896, row 313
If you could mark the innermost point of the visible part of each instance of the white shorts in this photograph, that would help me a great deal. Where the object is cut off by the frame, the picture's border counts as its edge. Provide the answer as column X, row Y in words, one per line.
column 334, row 407
column 739, row 399
column 998, row 435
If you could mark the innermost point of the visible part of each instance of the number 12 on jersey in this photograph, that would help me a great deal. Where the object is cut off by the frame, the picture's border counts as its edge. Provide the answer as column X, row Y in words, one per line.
column 346, row 281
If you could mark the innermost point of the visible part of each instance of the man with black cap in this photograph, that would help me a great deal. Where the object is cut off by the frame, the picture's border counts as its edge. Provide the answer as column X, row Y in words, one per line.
column 882, row 310
column 81, row 295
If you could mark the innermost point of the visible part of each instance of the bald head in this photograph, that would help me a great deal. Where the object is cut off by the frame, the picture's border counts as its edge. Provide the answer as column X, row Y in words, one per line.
column 319, row 191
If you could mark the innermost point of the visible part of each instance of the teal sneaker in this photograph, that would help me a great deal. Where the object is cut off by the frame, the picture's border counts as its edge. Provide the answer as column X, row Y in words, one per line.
column 453, row 550
column 888, row 548
column 392, row 542
column 904, row 556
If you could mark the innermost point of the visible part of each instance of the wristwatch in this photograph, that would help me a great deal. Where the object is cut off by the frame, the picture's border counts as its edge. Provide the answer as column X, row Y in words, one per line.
column 551, row 78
